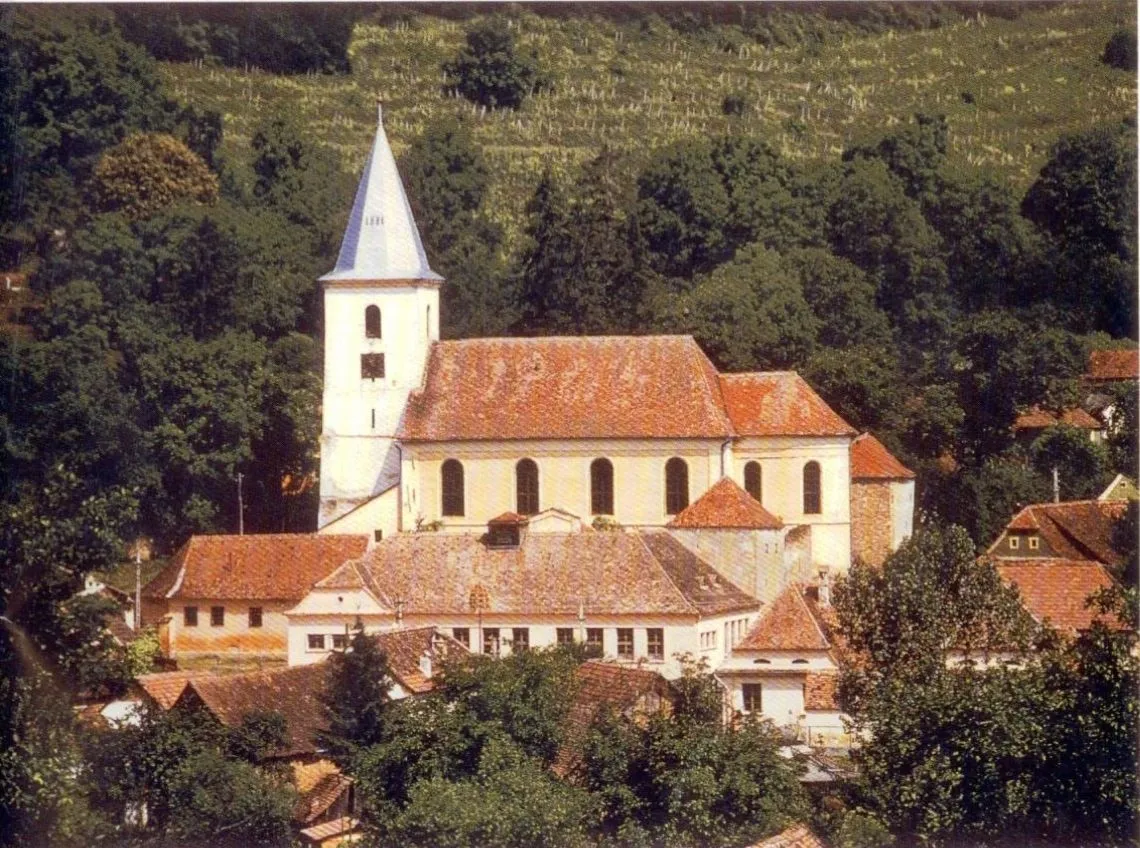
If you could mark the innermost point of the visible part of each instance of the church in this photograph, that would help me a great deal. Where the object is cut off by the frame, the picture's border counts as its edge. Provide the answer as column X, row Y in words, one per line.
column 420, row 434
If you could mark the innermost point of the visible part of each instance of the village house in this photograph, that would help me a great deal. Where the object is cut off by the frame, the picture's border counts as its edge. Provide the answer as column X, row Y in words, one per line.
column 1072, row 530
column 228, row 594
column 419, row 432
column 1035, row 421
column 882, row 501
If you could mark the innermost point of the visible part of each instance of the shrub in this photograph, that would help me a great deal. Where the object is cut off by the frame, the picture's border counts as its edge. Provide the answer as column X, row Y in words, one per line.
column 490, row 72
column 1120, row 52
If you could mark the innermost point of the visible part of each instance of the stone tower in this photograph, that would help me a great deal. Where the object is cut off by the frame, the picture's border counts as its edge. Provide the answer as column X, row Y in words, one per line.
column 381, row 316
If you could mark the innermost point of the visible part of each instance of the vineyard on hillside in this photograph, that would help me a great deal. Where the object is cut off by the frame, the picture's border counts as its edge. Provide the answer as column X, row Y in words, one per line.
column 1009, row 89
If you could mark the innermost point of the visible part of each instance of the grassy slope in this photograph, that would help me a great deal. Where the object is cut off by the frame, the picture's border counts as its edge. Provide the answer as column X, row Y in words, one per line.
column 1031, row 80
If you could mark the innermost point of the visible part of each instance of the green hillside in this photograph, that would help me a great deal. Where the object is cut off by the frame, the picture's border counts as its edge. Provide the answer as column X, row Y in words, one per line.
column 1008, row 87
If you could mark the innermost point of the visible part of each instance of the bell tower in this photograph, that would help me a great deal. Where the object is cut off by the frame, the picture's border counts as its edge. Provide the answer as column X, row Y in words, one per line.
column 381, row 316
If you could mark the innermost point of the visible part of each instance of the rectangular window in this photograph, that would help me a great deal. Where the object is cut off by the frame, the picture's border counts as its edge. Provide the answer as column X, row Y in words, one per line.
column 462, row 635
column 564, row 635
column 1014, row 543
column 520, row 639
column 753, row 697
column 655, row 643
column 217, row 616
column 625, row 643
column 491, row 641
column 340, row 641
column 371, row 366
column 189, row 616
column 595, row 637
column 1034, row 543
column 316, row 641
column 255, row 616
column 708, row 640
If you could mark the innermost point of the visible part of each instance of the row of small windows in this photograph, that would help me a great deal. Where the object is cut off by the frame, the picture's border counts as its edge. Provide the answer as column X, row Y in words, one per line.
column 452, row 487
column 602, row 486
column 218, row 617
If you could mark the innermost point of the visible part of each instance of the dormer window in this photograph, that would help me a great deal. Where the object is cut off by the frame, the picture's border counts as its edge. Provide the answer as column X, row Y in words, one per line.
column 505, row 531
column 372, row 322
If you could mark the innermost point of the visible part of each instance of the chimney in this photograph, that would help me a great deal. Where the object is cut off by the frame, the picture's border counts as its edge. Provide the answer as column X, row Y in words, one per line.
column 425, row 664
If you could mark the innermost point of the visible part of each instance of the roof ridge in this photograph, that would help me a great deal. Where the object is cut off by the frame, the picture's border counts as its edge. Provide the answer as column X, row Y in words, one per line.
column 800, row 587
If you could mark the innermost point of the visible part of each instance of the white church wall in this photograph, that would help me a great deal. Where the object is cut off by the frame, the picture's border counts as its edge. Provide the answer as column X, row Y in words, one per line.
column 564, row 477
column 380, row 514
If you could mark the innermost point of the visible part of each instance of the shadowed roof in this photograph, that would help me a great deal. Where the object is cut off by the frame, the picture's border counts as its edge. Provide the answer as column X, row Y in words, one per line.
column 259, row 567
column 165, row 687
column 796, row 836
column 1037, row 418
column 585, row 387
column 870, row 460
column 778, row 403
column 404, row 648
column 1114, row 364
column 1073, row 529
column 1056, row 590
column 726, row 506
column 549, row 573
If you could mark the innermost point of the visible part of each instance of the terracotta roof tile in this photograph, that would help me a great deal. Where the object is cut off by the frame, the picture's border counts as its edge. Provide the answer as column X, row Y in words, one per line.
column 1037, row 418
column 404, row 648
column 870, row 460
column 778, row 403
column 548, row 573
column 1074, row 529
column 259, row 567
column 584, row 387
column 1114, row 364
column 325, row 792
column 600, row 684
column 820, row 691
column 787, row 625
column 293, row 692
column 796, row 836
column 726, row 505
column 165, row 687
column 1056, row 590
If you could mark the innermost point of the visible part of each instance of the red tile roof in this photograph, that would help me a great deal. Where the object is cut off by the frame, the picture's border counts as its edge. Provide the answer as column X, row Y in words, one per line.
column 778, row 403
column 1114, row 364
column 1073, row 529
column 1037, row 418
column 165, row 687
column 260, row 567
column 787, row 625
column 549, row 573
column 600, row 684
column 293, row 692
column 870, row 460
column 796, row 836
column 325, row 792
column 820, row 691
column 583, row 387
column 404, row 648
column 1055, row 590
column 726, row 505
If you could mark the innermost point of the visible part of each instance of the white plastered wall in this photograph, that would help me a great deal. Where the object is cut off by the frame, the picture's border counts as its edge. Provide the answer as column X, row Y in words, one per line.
column 902, row 512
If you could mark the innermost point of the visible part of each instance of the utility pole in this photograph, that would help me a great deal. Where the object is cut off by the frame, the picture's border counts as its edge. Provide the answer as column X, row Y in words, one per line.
column 1056, row 486
column 241, row 509
column 138, row 584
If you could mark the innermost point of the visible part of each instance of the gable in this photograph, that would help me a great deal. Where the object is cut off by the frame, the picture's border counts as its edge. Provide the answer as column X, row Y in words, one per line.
column 778, row 403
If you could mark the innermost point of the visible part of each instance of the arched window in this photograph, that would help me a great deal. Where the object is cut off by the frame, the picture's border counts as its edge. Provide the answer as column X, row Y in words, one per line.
column 526, row 487
column 451, row 486
column 811, row 489
column 601, row 487
column 676, row 486
column 752, row 480
column 372, row 322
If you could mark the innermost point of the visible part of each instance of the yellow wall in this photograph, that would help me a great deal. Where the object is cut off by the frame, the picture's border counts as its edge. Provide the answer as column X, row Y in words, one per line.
column 235, row 636
column 564, row 477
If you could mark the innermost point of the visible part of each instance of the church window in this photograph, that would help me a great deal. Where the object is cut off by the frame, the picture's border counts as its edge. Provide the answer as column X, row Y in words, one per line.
column 372, row 322
column 602, row 487
column 451, row 483
column 753, row 480
column 427, row 322
column 371, row 366
column 526, row 487
column 812, row 504
column 676, row 486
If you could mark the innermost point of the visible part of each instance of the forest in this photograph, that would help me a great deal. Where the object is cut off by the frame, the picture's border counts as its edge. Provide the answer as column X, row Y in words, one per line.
column 168, row 336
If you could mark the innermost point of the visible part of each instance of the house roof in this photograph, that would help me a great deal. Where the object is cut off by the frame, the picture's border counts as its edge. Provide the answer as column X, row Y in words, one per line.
column 600, row 684
column 778, row 403
column 318, row 834
column 788, row 624
column 404, row 648
column 258, row 567
column 548, row 573
column 581, row 387
column 870, row 460
column 796, row 836
column 1121, row 488
column 381, row 241
column 324, row 793
column 1056, row 590
column 165, row 687
column 725, row 506
column 1037, row 418
column 293, row 692
column 1073, row 529
column 820, row 691
column 1114, row 364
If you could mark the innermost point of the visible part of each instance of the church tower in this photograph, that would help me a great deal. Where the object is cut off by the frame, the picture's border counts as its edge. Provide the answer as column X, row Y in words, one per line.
column 381, row 316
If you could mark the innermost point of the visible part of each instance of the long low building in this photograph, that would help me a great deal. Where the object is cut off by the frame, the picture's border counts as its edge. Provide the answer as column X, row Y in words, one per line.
column 640, row 596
